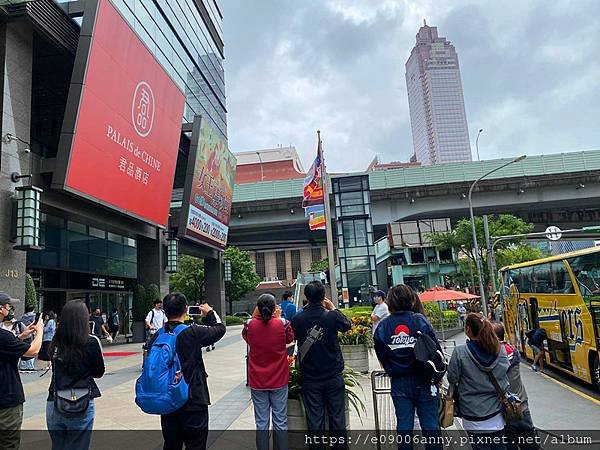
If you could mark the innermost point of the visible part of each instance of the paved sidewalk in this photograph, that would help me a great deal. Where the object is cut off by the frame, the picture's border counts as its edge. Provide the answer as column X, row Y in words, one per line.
column 553, row 405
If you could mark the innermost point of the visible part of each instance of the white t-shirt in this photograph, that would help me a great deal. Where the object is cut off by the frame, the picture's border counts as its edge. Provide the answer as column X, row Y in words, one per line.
column 157, row 319
column 490, row 425
column 380, row 311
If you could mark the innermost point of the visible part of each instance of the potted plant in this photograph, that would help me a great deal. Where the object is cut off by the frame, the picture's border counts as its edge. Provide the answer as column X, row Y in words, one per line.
column 296, row 410
column 138, row 314
column 356, row 342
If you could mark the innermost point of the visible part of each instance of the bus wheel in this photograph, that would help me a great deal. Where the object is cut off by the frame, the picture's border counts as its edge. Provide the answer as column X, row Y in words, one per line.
column 595, row 370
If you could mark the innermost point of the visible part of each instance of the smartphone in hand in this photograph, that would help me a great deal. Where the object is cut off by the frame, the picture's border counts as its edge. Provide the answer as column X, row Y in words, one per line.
column 194, row 311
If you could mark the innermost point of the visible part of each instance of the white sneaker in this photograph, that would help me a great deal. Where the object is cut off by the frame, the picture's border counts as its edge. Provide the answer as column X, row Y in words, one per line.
column 534, row 368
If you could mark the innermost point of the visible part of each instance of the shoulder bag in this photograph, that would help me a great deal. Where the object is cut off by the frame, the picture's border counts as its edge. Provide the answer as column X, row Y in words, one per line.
column 511, row 408
column 71, row 401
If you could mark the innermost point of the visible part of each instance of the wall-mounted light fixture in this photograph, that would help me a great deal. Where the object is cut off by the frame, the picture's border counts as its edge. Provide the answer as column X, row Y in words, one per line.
column 580, row 186
column 520, row 191
column 172, row 252
column 28, row 214
column 412, row 200
column 292, row 211
column 463, row 196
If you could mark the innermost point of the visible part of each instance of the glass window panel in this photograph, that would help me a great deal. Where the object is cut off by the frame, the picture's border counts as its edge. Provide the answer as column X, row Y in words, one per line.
column 358, row 263
column 77, row 227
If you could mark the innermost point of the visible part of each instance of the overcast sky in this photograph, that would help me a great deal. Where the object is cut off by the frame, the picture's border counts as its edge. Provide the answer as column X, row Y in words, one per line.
column 530, row 73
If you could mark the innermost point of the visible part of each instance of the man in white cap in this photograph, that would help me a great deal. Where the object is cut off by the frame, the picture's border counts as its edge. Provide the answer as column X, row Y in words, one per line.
column 380, row 311
column 11, row 350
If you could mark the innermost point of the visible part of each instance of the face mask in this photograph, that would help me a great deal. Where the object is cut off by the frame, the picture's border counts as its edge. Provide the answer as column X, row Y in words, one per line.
column 10, row 316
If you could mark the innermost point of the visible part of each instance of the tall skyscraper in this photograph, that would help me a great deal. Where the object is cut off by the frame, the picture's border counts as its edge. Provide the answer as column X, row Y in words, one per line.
column 435, row 99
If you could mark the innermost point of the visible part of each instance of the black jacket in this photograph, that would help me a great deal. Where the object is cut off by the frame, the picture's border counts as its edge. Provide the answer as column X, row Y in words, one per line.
column 189, row 348
column 83, row 373
column 324, row 359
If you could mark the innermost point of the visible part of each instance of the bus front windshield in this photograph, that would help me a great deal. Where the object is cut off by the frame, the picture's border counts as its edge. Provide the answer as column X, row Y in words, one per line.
column 586, row 269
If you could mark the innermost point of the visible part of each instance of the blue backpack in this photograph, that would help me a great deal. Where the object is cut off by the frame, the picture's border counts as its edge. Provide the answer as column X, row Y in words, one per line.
column 156, row 391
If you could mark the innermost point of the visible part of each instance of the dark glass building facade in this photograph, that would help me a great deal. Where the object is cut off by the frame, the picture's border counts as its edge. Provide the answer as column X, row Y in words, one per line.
column 90, row 252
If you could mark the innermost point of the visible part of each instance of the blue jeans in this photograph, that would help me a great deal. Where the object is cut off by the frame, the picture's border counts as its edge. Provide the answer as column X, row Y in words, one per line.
column 70, row 433
column 267, row 404
column 410, row 394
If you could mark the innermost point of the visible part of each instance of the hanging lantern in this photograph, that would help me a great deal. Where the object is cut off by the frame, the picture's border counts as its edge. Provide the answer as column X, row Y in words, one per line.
column 27, row 235
column 227, row 270
column 172, row 254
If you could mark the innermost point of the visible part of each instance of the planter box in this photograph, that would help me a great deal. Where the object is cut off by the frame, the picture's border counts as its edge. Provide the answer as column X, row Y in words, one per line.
column 356, row 357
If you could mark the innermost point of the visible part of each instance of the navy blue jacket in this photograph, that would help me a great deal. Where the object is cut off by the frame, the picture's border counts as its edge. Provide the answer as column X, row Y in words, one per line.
column 395, row 340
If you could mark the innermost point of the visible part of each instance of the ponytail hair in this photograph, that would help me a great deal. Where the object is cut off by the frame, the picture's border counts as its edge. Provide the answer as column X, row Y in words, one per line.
column 484, row 333
column 266, row 307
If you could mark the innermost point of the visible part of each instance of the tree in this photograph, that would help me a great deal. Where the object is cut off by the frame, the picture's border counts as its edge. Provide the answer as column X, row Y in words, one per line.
column 152, row 293
column 189, row 279
column 138, row 307
column 461, row 239
column 243, row 277
column 517, row 254
column 30, row 294
column 319, row 266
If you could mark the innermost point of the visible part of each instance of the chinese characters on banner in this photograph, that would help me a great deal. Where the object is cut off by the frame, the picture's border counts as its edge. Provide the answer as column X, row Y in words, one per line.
column 211, row 190
column 127, row 132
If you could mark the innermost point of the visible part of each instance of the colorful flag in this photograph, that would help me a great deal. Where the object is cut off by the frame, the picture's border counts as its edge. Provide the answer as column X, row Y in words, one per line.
column 313, row 209
column 316, row 220
column 313, row 183
column 313, row 198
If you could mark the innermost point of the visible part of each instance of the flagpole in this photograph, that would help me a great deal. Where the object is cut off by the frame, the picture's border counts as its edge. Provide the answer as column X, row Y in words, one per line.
column 328, row 225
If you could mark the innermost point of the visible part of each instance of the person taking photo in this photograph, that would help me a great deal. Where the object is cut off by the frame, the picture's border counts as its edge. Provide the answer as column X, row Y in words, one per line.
column 189, row 424
column 321, row 362
column 268, row 370
column 11, row 349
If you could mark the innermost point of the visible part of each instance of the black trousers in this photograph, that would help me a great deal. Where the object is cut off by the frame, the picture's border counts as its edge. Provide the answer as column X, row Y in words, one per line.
column 185, row 427
column 322, row 399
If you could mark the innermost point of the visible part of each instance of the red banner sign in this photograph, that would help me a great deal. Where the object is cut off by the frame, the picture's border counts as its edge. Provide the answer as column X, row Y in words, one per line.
column 127, row 134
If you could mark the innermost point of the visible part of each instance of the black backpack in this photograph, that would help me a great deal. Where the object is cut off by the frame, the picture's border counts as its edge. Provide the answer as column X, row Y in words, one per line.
column 431, row 361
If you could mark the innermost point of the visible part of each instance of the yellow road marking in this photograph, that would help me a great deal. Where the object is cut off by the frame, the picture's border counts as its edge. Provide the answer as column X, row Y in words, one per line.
column 572, row 389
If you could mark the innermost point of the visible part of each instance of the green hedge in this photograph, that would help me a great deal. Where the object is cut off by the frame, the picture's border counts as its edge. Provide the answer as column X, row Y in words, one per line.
column 234, row 320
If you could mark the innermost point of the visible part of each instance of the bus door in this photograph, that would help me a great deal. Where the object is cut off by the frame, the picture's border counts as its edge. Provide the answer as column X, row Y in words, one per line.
column 595, row 312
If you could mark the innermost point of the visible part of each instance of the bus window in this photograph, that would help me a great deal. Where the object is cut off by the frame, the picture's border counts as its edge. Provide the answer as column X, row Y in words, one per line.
column 541, row 279
column 586, row 269
column 561, row 280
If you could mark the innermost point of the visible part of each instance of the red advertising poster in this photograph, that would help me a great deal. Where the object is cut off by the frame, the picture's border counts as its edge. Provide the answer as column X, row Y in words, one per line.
column 129, row 123
column 211, row 189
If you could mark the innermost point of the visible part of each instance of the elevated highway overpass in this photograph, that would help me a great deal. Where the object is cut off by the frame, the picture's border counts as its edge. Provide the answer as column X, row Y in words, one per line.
column 559, row 189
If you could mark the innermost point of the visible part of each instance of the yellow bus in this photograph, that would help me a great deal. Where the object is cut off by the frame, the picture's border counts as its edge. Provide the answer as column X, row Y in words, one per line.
column 562, row 295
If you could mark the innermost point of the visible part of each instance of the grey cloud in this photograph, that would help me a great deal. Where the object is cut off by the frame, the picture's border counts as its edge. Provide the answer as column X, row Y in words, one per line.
column 293, row 67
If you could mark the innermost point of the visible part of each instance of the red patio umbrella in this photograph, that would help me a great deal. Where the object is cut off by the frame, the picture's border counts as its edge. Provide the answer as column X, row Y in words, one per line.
column 440, row 294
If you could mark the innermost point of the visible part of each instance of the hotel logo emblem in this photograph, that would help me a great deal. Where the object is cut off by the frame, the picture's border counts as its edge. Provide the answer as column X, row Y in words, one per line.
column 142, row 109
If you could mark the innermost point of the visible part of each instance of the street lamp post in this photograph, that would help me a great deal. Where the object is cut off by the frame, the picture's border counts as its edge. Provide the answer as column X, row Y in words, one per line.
column 477, row 143
column 475, row 244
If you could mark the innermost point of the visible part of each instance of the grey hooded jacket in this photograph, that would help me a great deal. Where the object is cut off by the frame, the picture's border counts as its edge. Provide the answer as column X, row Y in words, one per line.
column 477, row 397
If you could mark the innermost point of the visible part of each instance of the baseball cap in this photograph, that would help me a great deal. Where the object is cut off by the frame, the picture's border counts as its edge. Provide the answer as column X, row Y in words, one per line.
column 5, row 299
column 380, row 293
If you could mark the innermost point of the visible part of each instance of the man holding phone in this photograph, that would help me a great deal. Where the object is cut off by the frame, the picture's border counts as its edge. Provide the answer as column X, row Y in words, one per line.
column 13, row 397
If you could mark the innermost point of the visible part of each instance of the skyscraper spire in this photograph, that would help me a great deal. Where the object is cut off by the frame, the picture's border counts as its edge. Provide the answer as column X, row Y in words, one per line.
column 424, row 23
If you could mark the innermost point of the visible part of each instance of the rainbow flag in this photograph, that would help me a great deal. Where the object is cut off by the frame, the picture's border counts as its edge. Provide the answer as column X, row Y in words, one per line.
column 316, row 220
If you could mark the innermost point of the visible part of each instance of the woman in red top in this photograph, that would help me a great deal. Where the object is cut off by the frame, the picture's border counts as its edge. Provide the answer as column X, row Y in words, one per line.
column 267, row 335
